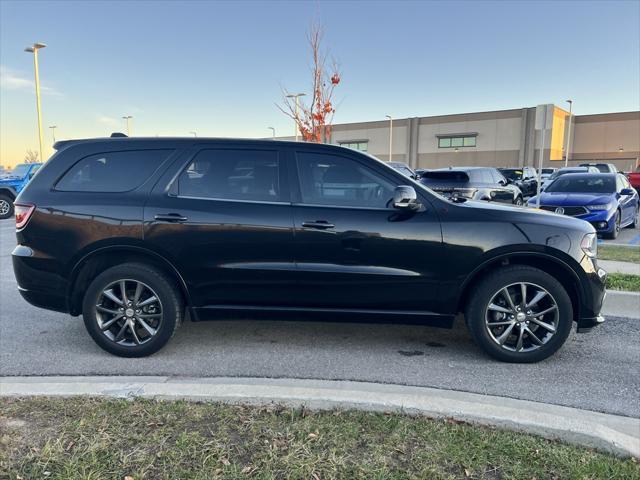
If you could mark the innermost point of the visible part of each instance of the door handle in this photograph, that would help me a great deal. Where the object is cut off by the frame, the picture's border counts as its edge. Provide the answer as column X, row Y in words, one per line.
column 171, row 217
column 318, row 225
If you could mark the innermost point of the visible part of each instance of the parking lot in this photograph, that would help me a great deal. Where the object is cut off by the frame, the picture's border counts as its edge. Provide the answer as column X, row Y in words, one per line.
column 595, row 371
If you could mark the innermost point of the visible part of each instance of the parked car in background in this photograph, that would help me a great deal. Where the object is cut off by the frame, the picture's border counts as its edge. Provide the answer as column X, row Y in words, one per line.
column 404, row 169
column 634, row 179
column 154, row 228
column 12, row 183
column 525, row 178
column 605, row 200
column 545, row 173
column 420, row 171
column 564, row 170
column 602, row 167
column 474, row 183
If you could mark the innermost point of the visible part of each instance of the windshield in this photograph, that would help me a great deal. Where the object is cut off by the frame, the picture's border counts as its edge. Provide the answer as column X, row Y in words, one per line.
column 19, row 170
column 446, row 175
column 547, row 170
column 557, row 173
column 586, row 184
column 511, row 173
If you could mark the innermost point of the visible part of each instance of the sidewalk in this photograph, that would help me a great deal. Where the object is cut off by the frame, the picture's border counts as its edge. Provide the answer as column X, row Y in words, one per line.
column 614, row 266
column 612, row 433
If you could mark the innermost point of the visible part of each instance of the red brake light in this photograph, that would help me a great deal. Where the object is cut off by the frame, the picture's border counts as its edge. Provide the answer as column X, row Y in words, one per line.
column 23, row 214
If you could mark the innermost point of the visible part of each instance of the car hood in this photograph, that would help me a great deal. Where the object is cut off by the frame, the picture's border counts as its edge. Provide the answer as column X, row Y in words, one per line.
column 574, row 199
column 9, row 180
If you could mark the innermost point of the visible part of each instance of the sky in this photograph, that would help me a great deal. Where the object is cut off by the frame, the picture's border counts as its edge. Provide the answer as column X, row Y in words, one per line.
column 218, row 68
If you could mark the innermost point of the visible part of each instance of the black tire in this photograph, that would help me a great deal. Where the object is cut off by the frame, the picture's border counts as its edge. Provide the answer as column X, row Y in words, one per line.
column 616, row 227
column 170, row 301
column 518, row 201
column 6, row 205
column 498, row 279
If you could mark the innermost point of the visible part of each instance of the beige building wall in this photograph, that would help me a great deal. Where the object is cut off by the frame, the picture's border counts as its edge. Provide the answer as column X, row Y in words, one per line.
column 377, row 136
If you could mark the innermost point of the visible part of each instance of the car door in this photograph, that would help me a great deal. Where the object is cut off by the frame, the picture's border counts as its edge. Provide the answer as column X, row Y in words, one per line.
column 628, row 203
column 353, row 250
column 222, row 216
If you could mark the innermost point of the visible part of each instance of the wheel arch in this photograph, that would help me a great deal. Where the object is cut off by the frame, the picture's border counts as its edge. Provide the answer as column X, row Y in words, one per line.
column 100, row 259
column 550, row 264
column 10, row 192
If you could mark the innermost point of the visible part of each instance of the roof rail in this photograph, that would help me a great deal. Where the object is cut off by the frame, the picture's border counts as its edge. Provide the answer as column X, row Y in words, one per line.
column 117, row 134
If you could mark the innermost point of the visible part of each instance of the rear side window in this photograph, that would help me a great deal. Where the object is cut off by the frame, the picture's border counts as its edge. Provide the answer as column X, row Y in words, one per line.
column 112, row 172
column 250, row 175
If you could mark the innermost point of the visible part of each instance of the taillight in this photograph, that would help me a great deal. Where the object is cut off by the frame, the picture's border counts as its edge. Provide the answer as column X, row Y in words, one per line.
column 23, row 213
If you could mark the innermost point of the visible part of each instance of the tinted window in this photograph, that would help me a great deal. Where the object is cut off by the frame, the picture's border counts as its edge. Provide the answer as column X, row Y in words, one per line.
column 112, row 171
column 586, row 184
column 232, row 175
column 334, row 180
column 513, row 174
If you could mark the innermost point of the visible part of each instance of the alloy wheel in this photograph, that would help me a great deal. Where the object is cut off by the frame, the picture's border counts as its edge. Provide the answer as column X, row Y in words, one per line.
column 4, row 207
column 129, row 312
column 522, row 317
column 617, row 223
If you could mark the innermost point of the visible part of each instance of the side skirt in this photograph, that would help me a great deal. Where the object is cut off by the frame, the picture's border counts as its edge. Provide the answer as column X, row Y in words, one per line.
column 245, row 312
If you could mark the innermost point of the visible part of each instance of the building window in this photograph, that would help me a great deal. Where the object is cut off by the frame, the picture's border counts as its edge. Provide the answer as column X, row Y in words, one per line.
column 457, row 141
column 361, row 145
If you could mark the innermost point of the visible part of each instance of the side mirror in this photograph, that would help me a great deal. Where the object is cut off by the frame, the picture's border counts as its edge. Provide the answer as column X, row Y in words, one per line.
column 626, row 191
column 405, row 198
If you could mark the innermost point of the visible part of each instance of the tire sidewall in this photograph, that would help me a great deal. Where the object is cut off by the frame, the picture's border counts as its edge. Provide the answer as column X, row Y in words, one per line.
column 492, row 283
column 169, row 299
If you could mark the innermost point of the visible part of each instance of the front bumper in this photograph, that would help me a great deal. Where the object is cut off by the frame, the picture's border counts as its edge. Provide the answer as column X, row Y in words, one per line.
column 602, row 220
column 593, row 295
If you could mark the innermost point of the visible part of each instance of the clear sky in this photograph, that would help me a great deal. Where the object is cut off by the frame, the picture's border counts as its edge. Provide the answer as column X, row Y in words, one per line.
column 217, row 68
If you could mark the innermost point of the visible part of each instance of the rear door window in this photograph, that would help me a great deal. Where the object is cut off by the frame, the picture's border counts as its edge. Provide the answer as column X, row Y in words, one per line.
column 232, row 174
column 112, row 172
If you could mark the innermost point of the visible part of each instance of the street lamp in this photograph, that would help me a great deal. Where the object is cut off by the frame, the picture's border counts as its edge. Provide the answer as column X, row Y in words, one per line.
column 566, row 157
column 390, row 137
column 274, row 132
column 34, row 49
column 194, row 134
column 53, row 132
column 297, row 97
column 128, row 119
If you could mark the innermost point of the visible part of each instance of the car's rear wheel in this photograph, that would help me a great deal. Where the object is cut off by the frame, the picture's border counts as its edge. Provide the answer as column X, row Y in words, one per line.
column 519, row 201
column 613, row 234
column 6, row 206
column 132, row 310
column 519, row 314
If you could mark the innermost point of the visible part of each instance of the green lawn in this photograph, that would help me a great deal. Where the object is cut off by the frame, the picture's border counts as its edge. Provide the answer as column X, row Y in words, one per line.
column 83, row 438
column 623, row 281
column 622, row 254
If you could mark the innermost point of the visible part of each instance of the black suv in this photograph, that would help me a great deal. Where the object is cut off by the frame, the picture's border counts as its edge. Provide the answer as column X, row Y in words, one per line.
column 525, row 178
column 475, row 183
column 136, row 234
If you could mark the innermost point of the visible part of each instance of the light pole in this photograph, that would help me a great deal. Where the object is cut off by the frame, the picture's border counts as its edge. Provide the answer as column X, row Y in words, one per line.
column 566, row 158
column 390, row 137
column 194, row 134
column 53, row 132
column 297, row 97
column 274, row 132
column 128, row 119
column 34, row 49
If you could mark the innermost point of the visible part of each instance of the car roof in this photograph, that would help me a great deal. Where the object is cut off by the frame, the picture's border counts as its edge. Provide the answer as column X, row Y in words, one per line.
column 589, row 175
column 460, row 169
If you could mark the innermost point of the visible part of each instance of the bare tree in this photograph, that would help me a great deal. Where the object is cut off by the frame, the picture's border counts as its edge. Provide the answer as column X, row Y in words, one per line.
column 314, row 120
column 31, row 156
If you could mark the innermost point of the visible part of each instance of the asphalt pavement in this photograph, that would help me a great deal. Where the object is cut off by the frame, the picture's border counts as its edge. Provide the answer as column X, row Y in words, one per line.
column 596, row 371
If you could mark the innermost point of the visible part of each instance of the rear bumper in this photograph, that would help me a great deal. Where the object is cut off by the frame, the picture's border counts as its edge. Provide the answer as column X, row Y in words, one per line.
column 39, row 283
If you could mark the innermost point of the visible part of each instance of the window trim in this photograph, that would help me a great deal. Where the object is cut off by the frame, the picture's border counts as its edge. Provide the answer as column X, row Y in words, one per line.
column 344, row 143
column 461, row 136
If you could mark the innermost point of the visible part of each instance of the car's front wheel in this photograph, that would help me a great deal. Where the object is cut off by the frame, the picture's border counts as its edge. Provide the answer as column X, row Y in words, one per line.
column 613, row 234
column 519, row 314
column 6, row 206
column 518, row 201
column 132, row 310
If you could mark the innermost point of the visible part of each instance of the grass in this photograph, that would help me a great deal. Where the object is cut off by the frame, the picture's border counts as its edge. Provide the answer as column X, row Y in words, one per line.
column 623, row 281
column 622, row 254
column 84, row 438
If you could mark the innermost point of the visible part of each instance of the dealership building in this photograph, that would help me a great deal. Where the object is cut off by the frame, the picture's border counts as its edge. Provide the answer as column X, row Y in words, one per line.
column 498, row 138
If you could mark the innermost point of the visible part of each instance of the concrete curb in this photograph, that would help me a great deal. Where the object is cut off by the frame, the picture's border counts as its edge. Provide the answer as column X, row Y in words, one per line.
column 610, row 433
column 621, row 304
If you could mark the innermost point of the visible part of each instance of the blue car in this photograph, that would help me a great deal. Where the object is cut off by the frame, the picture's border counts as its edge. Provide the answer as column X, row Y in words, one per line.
column 12, row 183
column 606, row 200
